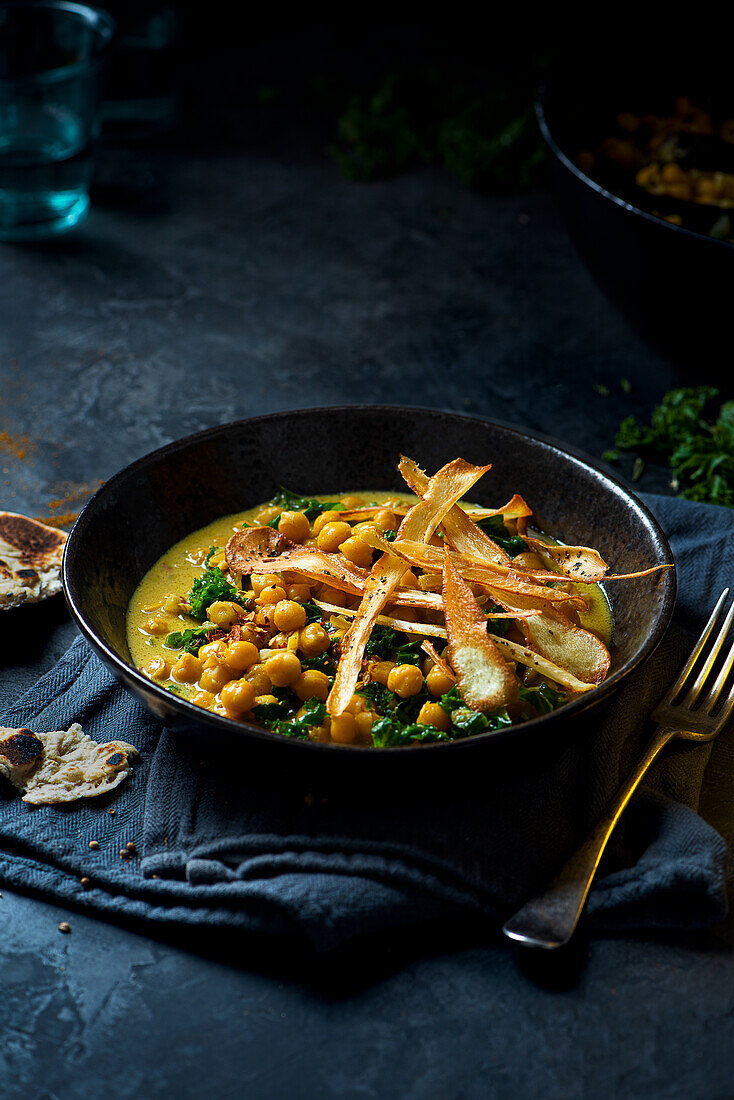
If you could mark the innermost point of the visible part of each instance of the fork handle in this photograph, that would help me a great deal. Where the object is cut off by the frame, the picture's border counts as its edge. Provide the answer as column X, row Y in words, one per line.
column 549, row 920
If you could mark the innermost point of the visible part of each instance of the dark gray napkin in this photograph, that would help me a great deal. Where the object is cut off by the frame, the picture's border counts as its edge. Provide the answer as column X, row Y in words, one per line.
column 223, row 846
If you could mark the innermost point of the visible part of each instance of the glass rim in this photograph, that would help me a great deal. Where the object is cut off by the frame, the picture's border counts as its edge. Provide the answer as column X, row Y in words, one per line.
column 99, row 20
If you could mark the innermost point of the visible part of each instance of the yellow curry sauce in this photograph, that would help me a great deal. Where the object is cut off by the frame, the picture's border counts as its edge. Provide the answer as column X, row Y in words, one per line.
column 280, row 658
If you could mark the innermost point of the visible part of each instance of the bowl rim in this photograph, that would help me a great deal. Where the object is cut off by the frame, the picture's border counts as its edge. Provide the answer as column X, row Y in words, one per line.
column 593, row 185
column 125, row 671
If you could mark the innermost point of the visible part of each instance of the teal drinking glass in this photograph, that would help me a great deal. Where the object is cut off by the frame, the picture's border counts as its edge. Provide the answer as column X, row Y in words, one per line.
column 51, row 53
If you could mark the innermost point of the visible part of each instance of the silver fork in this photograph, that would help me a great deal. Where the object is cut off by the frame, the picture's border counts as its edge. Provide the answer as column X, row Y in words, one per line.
column 549, row 920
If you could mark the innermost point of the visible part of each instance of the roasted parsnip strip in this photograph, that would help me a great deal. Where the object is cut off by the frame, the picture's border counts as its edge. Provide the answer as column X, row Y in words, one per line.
column 514, row 509
column 419, row 629
column 440, row 494
column 430, row 650
column 555, row 636
column 332, row 569
column 581, row 563
column 432, row 557
column 528, row 657
column 459, row 528
column 485, row 679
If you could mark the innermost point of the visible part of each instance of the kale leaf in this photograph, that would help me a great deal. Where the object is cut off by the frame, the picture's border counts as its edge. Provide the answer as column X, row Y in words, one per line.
column 381, row 698
column 382, row 642
column 698, row 446
column 465, row 722
column 495, row 528
column 391, row 733
column 543, row 697
column 191, row 640
column 313, row 714
column 209, row 588
column 288, row 501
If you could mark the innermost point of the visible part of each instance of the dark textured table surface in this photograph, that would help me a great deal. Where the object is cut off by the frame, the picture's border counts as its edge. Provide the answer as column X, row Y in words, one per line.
column 259, row 280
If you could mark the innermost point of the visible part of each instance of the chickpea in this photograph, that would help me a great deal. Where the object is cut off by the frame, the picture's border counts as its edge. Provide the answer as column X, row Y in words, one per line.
column 267, row 514
column 357, row 551
column 405, row 680
column 352, row 502
column 300, row 592
column 385, row 520
column 264, row 700
column 158, row 624
column 294, row 525
column 263, row 580
column 272, row 594
column 211, row 649
column 322, row 519
column 203, row 699
column 259, row 679
column 381, row 670
column 343, row 729
column 172, row 604
column 319, row 733
column 283, row 669
column 364, row 721
column 158, row 669
column 438, row 682
column 264, row 617
column 240, row 656
column 224, row 612
column 333, row 595
column 237, row 697
column 365, row 528
column 214, row 679
column 313, row 639
column 311, row 684
column 289, row 615
column 433, row 714
column 356, row 705
column 187, row 669
column 332, row 535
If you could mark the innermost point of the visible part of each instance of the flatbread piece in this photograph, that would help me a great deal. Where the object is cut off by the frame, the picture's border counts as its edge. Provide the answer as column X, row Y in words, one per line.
column 62, row 766
column 30, row 560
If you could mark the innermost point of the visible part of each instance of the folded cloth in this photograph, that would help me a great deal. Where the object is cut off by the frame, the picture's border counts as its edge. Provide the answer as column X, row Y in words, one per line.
column 221, row 846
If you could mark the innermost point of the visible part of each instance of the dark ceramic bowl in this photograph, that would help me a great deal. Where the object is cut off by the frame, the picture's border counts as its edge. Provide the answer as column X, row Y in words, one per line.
column 159, row 499
column 671, row 282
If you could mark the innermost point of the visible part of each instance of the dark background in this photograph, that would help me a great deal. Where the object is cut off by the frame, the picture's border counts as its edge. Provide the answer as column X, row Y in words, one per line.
column 228, row 269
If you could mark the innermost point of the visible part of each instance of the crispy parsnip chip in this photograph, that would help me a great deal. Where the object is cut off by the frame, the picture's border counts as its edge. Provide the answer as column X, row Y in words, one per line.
column 581, row 563
column 419, row 629
column 556, row 637
column 430, row 650
column 461, row 531
column 432, row 557
column 528, row 657
column 485, row 679
column 514, row 509
column 440, row 494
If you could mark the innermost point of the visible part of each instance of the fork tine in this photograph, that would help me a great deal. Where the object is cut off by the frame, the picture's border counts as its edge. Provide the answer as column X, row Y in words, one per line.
column 697, row 686
column 717, row 687
column 686, row 670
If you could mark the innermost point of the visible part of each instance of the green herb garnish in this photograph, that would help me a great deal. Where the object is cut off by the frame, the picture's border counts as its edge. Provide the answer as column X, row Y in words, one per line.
column 209, row 588
column 698, row 448
column 191, row 640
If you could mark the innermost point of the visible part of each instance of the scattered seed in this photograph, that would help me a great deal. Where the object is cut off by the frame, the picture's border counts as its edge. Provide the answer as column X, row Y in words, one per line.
column 94, row 845
column 85, row 881
column 110, row 811
column 64, row 926
column 124, row 854
column 131, row 847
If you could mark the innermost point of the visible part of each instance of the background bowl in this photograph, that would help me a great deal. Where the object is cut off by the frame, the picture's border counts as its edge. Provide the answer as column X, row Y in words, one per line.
column 142, row 511
column 672, row 283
